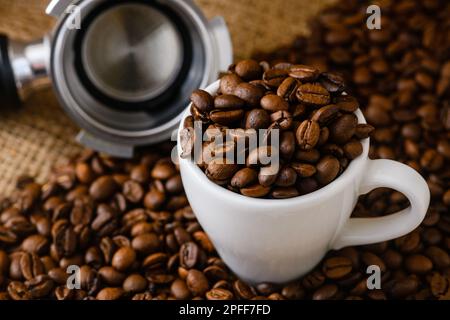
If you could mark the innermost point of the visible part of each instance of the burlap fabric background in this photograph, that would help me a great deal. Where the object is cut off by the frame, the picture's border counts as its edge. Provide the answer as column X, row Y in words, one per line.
column 38, row 135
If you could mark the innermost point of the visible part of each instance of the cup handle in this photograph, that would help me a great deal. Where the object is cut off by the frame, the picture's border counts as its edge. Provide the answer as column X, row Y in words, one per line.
column 395, row 175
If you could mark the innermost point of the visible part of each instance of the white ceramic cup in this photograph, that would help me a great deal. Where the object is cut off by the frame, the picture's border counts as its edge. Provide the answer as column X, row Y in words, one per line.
column 280, row 240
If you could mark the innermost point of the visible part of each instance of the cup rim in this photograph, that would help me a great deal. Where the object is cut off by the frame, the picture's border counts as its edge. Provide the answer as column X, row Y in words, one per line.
column 346, row 177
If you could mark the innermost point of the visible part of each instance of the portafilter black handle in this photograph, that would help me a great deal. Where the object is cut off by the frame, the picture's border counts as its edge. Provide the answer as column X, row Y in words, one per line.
column 9, row 95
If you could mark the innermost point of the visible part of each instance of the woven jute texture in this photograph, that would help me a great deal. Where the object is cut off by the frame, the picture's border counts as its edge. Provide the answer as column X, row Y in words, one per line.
column 38, row 135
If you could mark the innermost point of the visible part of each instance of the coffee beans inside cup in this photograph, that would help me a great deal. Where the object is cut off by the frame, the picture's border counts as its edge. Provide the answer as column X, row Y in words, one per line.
column 276, row 131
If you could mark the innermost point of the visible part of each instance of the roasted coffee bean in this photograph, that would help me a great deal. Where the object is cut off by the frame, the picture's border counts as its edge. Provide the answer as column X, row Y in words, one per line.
column 257, row 119
column 124, row 258
column 353, row 149
column 343, row 128
column 217, row 170
column 255, row 191
column 135, row 283
column 287, row 145
column 332, row 82
column 35, row 244
column 288, row 89
column 337, row 267
column 313, row 94
column 190, row 255
column 327, row 169
column 273, row 103
column 284, row 192
column 326, row 292
column 418, row 264
column 202, row 100
column 303, row 73
column 110, row 294
column 226, row 101
column 249, row 93
column 274, row 77
column 283, row 118
column 308, row 134
column 31, row 266
column 286, row 177
column 248, row 70
column 133, row 191
column 103, row 188
column 303, row 170
column 326, row 114
column 229, row 82
column 146, row 243
column 197, row 282
column 293, row 291
column 244, row 177
column 242, row 290
column 219, row 294
column 226, row 117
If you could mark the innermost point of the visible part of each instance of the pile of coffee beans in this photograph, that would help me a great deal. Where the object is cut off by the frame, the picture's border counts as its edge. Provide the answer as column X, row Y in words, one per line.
column 401, row 75
column 128, row 229
column 319, row 134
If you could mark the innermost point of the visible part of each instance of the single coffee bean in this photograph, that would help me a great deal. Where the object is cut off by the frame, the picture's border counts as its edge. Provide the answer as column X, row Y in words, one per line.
column 226, row 117
column 257, row 119
column 283, row 118
column 307, row 185
column 333, row 82
column 146, row 243
column 110, row 294
column 284, row 192
column 189, row 255
column 242, row 290
column 123, row 258
column 347, row 104
column 327, row 169
column 248, row 70
column 303, row 73
column 308, row 134
column 244, row 177
column 202, row 100
column 326, row 292
column 219, row 294
column 418, row 264
column 274, row 77
column 326, row 114
column 293, row 291
column 273, row 103
column 313, row 94
column 31, row 266
column 249, row 93
column 103, row 188
column 217, row 170
column 111, row 276
column 286, row 177
column 267, row 177
column 363, row 131
column 353, row 149
column 288, row 89
column 84, row 173
column 197, row 282
column 135, row 283
column 255, row 191
column 343, row 128
column 337, row 267
column 303, row 170
column 35, row 244
column 229, row 82
column 226, row 101
column 439, row 257
column 179, row 290
column 133, row 191
column 287, row 145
